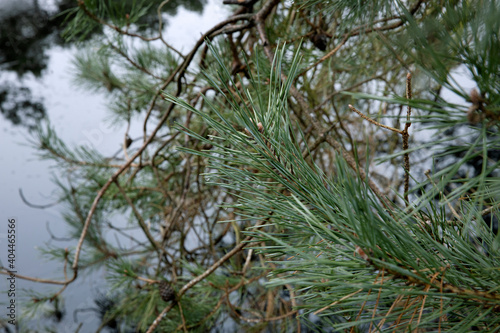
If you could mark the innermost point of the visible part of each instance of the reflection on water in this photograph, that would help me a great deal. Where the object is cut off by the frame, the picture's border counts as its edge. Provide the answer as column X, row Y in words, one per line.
column 26, row 33
column 19, row 106
column 29, row 30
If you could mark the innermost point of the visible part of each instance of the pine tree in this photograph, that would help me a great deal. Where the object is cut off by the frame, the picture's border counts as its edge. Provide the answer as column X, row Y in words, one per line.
column 281, row 182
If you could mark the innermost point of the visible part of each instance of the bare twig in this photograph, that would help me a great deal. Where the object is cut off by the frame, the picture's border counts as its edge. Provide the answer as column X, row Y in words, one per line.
column 160, row 28
column 245, row 3
column 406, row 137
column 132, row 62
column 489, row 209
column 23, row 198
column 374, row 121
column 326, row 56
column 338, row 301
column 400, row 22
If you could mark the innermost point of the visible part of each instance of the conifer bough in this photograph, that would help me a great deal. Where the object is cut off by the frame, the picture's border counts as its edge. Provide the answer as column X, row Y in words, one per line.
column 276, row 155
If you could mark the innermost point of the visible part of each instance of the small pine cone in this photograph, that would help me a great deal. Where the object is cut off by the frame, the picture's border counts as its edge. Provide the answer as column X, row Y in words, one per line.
column 320, row 40
column 167, row 293
column 475, row 97
column 474, row 114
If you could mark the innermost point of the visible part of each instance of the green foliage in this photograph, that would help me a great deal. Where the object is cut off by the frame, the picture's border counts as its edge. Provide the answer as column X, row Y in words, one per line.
column 323, row 223
column 253, row 175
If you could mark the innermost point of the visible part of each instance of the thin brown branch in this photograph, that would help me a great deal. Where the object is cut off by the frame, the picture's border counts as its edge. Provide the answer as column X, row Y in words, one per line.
column 374, row 121
column 424, row 298
column 184, row 326
column 140, row 219
column 338, row 301
column 132, row 62
column 480, row 296
column 401, row 20
column 393, row 306
column 406, row 137
column 326, row 56
column 81, row 163
column 489, row 209
column 4, row 271
column 87, row 12
column 245, row 3
column 160, row 29
column 321, row 138
column 378, row 299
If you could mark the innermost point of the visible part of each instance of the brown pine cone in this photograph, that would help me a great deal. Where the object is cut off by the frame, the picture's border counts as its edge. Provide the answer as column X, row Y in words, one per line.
column 320, row 40
column 167, row 293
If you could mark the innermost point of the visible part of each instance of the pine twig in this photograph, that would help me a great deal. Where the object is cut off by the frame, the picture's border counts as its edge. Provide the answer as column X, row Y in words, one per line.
column 404, row 133
column 374, row 121
column 326, row 56
column 338, row 301
column 406, row 137
column 91, row 15
column 140, row 219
